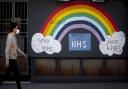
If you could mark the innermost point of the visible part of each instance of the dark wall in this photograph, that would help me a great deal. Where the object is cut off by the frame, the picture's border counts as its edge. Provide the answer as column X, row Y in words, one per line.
column 39, row 11
column 75, row 68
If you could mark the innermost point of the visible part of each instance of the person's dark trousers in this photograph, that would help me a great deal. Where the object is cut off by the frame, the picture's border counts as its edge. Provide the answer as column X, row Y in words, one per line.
column 12, row 68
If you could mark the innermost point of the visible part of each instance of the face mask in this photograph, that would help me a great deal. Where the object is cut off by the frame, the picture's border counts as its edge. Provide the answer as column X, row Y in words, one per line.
column 17, row 31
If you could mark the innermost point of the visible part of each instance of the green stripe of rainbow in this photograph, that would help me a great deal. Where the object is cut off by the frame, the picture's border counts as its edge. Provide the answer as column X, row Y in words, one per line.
column 78, row 9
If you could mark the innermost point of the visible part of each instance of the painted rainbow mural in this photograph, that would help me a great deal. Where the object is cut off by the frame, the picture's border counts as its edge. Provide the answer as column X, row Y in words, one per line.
column 84, row 15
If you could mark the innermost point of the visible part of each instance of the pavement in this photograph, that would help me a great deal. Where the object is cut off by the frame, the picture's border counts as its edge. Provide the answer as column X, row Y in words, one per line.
column 66, row 86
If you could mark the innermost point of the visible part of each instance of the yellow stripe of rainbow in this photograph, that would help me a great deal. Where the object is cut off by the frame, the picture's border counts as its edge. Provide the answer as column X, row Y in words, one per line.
column 78, row 9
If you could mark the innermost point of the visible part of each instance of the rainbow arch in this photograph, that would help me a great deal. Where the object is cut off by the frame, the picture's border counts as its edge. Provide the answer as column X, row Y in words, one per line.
column 85, row 15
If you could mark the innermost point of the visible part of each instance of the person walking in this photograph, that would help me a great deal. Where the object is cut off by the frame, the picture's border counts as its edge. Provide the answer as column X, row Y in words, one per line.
column 11, row 52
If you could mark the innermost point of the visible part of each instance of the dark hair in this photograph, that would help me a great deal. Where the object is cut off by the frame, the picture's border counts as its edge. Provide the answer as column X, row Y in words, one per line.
column 13, row 25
